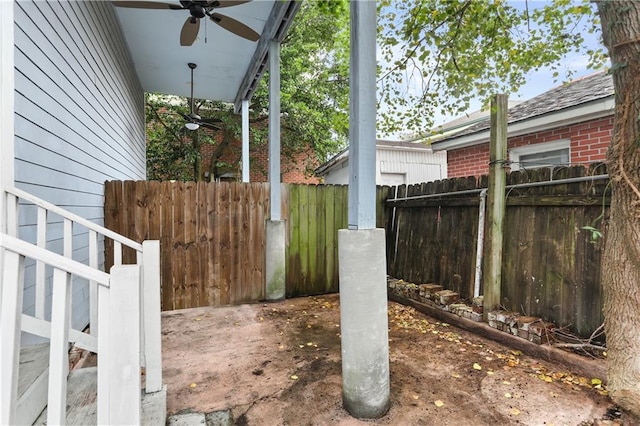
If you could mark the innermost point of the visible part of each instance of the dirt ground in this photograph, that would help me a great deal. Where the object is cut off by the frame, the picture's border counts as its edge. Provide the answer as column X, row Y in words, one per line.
column 279, row 364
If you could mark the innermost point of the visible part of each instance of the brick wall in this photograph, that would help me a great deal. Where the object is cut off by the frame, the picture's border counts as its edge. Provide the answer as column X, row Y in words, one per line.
column 295, row 168
column 589, row 143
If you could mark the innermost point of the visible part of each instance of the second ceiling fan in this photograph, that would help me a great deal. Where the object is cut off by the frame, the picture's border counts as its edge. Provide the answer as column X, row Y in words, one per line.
column 199, row 9
column 193, row 121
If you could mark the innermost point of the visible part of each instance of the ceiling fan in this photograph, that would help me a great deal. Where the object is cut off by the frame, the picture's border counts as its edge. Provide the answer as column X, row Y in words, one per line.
column 192, row 120
column 199, row 9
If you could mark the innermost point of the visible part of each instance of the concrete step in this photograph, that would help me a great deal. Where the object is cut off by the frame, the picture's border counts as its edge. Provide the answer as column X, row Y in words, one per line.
column 82, row 401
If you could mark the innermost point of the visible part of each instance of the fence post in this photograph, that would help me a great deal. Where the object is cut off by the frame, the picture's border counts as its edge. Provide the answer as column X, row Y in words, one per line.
column 121, row 347
column 495, row 203
column 10, row 319
column 151, row 315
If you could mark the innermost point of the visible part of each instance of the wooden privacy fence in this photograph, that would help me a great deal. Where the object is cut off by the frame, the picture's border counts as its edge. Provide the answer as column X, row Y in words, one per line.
column 551, row 264
column 212, row 236
column 315, row 213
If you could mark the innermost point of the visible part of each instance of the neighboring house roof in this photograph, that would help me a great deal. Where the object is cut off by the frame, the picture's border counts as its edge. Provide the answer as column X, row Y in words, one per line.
column 583, row 99
column 343, row 156
column 457, row 125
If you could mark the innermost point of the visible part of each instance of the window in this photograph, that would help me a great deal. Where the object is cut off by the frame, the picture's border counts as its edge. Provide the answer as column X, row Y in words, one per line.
column 540, row 155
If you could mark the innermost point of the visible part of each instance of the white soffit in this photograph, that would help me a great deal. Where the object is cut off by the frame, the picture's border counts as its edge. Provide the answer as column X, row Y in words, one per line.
column 223, row 58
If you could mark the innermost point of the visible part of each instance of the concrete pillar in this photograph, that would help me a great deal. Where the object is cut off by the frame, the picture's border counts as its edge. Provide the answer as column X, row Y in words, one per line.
column 364, row 323
column 245, row 141
column 274, row 128
column 275, row 262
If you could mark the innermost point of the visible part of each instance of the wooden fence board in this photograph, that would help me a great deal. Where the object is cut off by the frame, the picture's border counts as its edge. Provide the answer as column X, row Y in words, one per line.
column 225, row 244
column 154, row 206
column 213, row 236
column 178, row 239
column 166, row 247
column 331, row 243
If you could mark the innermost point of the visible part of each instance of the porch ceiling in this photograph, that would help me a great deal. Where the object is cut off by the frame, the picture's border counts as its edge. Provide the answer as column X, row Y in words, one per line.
column 229, row 66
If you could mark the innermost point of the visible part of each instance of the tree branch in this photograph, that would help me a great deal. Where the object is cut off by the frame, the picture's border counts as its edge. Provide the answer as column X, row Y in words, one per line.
column 162, row 122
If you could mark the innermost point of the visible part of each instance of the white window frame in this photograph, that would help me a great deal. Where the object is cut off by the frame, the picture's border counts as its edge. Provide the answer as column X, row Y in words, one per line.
column 516, row 153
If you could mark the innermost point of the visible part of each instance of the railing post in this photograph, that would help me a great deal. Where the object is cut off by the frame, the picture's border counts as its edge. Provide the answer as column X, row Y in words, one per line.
column 93, row 286
column 10, row 318
column 41, row 287
column 121, row 347
column 151, row 315
column 59, row 348
column 103, row 349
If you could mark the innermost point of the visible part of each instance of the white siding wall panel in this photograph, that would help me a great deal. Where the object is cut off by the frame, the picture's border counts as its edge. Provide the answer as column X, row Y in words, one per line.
column 398, row 166
column 79, row 120
column 338, row 175
column 417, row 165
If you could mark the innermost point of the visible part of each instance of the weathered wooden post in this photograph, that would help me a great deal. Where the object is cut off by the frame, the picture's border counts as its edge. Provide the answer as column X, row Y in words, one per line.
column 492, row 277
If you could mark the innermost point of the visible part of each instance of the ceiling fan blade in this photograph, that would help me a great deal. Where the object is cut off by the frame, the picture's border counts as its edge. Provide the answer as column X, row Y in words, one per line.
column 184, row 116
column 235, row 26
column 211, row 120
column 226, row 3
column 209, row 126
column 146, row 5
column 189, row 31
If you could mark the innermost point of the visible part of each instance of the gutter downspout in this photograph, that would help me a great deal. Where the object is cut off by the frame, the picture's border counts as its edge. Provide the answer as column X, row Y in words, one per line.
column 480, row 243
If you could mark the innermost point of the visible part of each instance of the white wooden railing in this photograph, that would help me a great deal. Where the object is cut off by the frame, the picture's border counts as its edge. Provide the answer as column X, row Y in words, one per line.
column 124, row 312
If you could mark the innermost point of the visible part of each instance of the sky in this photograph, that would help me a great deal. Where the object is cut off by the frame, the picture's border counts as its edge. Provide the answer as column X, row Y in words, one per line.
column 538, row 82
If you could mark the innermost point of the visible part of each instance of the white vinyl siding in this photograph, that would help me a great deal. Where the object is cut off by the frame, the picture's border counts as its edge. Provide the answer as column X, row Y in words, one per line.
column 396, row 166
column 79, row 119
column 417, row 166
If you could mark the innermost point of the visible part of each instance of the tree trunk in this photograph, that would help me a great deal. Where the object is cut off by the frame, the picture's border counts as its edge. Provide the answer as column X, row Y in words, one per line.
column 621, row 263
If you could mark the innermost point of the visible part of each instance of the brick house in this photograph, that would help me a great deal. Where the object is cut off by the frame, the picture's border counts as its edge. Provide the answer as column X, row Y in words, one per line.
column 568, row 125
column 296, row 167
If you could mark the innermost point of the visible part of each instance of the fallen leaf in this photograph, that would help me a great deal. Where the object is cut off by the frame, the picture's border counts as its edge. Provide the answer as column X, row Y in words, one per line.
column 309, row 343
column 281, row 347
column 294, row 377
column 506, row 382
column 416, row 397
column 477, row 366
column 192, row 385
column 515, row 411
column 197, row 319
column 301, row 346
column 456, row 375
column 596, row 381
column 438, row 403
column 507, row 395
column 490, row 373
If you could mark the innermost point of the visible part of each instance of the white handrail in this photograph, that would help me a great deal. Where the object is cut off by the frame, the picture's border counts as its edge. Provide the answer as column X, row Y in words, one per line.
column 75, row 218
column 60, row 262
